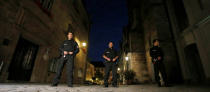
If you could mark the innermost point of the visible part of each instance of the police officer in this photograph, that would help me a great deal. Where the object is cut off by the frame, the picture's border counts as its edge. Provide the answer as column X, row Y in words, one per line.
column 157, row 59
column 110, row 56
column 68, row 49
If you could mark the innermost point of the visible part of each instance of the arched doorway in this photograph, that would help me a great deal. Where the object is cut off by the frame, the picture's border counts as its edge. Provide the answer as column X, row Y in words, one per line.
column 194, row 63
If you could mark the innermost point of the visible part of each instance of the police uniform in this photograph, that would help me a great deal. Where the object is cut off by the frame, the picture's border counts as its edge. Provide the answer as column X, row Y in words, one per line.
column 156, row 52
column 110, row 65
column 69, row 46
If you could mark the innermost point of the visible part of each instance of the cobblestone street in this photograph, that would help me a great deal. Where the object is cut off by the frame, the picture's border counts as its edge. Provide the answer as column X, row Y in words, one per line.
column 97, row 88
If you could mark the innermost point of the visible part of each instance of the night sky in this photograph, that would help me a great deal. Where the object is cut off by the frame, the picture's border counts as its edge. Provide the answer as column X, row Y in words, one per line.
column 108, row 18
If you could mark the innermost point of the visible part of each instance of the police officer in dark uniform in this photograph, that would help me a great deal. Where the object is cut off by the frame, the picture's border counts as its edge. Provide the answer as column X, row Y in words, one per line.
column 68, row 49
column 157, row 59
column 110, row 56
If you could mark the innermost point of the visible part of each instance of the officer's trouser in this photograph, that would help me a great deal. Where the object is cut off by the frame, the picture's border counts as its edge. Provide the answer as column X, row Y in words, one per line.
column 159, row 67
column 69, row 61
column 108, row 67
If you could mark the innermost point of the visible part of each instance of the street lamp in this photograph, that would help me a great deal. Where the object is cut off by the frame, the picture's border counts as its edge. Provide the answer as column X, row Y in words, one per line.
column 118, row 69
column 84, row 44
column 126, row 58
column 83, row 48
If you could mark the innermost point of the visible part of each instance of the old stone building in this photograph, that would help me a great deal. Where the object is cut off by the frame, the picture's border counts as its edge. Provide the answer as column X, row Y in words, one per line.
column 90, row 72
column 183, row 29
column 31, row 32
column 191, row 37
column 133, row 54
column 99, row 69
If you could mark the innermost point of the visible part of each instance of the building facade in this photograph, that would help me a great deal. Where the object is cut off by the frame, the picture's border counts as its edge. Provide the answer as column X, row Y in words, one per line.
column 191, row 36
column 99, row 72
column 90, row 73
column 31, row 33
column 182, row 26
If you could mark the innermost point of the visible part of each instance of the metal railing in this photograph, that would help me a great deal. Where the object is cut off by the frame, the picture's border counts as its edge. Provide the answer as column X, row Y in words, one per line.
column 203, row 21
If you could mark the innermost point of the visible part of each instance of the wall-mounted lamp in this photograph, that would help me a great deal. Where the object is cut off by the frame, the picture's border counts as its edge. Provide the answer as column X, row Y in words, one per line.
column 83, row 47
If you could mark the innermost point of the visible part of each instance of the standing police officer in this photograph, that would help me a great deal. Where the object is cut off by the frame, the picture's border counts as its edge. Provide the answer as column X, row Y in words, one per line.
column 110, row 56
column 68, row 49
column 157, row 59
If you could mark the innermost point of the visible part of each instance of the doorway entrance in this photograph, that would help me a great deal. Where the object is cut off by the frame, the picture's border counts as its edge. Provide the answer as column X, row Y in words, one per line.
column 194, row 63
column 23, row 60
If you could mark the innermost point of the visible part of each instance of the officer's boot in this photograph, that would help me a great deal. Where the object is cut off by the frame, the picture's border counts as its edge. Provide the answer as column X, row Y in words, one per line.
column 159, row 84
column 106, row 85
column 54, row 85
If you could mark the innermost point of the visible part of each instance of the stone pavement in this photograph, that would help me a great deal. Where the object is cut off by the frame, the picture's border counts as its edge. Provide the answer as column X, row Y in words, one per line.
column 97, row 88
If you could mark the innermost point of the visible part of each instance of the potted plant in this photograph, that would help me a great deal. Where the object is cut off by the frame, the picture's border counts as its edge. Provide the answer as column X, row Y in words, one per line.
column 129, row 76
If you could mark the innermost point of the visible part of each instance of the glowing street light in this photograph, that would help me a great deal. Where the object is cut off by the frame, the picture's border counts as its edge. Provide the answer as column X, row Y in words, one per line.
column 83, row 47
column 118, row 69
column 84, row 44
column 126, row 58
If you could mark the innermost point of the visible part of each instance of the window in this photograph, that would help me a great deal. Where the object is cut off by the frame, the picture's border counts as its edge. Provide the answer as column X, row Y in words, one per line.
column 200, row 4
column 45, row 5
column 181, row 15
column 86, row 24
column 20, row 16
column 70, row 28
column 80, row 72
column 205, row 4
column 76, row 5
column 53, row 65
column 2, row 60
